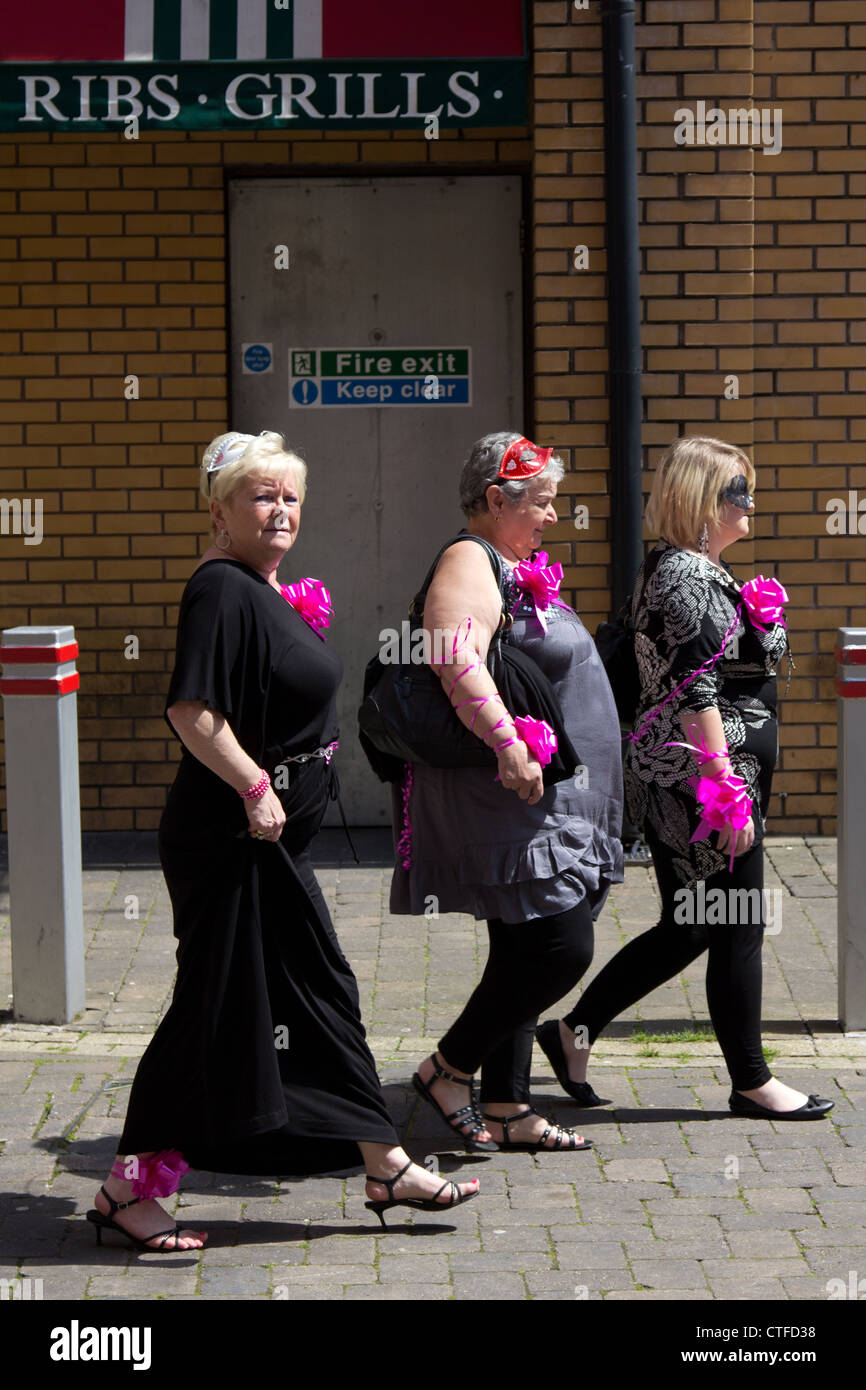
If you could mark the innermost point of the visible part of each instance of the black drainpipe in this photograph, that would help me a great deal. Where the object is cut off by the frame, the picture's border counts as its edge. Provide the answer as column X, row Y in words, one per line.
column 623, row 280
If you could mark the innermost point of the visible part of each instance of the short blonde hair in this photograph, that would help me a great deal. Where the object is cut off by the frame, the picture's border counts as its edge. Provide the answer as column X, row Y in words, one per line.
column 266, row 456
column 686, row 492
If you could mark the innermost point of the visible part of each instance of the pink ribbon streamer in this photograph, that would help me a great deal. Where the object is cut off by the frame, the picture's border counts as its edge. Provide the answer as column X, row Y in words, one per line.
column 702, row 753
column 541, row 581
column 538, row 737
column 404, row 844
column 160, row 1175
column 311, row 600
column 765, row 600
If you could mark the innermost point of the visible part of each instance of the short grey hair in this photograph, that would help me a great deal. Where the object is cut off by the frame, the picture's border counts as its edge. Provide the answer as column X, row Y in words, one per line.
column 482, row 466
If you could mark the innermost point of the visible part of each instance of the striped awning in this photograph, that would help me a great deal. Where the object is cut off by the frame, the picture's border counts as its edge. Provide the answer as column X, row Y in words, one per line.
column 258, row 30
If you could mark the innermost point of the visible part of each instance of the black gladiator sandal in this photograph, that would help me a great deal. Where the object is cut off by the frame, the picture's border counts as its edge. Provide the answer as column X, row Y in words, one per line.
column 466, row 1115
column 541, row 1145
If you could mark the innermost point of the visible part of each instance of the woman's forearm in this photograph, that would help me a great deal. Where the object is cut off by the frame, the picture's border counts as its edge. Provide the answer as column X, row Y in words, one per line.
column 476, row 701
column 208, row 737
column 706, row 728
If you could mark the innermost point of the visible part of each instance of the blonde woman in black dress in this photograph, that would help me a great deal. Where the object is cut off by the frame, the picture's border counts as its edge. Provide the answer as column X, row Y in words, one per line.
column 719, row 669
column 260, row 1064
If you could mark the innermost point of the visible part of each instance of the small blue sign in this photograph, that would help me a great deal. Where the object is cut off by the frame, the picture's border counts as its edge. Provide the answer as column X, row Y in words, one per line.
column 305, row 391
column 257, row 357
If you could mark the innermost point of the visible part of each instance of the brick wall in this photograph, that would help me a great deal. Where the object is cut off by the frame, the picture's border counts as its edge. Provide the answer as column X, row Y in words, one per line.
column 112, row 263
column 752, row 265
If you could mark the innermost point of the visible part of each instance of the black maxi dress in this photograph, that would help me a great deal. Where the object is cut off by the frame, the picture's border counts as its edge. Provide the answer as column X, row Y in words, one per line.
column 260, row 1064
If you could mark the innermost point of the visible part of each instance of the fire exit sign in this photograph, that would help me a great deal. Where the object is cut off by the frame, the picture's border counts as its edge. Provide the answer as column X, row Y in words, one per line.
column 365, row 376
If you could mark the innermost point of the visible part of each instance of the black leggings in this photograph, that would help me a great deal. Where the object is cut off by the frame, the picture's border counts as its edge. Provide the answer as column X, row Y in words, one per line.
column 530, row 966
column 733, row 966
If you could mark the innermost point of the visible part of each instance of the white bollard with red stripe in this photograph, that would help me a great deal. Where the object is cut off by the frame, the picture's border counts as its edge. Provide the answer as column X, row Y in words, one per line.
column 851, row 825
column 40, row 716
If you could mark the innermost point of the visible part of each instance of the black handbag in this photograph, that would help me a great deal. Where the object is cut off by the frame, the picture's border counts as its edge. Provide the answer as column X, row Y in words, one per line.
column 406, row 716
column 615, row 644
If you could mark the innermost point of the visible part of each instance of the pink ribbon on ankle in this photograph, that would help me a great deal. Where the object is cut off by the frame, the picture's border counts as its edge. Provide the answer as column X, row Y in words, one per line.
column 541, row 581
column 311, row 600
column 765, row 600
column 160, row 1175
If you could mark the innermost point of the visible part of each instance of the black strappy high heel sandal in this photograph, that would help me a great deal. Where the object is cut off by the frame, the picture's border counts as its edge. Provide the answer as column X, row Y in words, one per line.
column 538, row 1145
column 419, row 1203
column 466, row 1115
column 107, row 1223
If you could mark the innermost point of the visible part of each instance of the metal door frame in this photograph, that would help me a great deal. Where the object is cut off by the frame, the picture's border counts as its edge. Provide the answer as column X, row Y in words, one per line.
column 308, row 172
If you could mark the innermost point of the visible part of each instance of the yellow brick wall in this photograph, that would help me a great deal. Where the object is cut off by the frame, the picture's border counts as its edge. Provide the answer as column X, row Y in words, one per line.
column 112, row 262
column 751, row 264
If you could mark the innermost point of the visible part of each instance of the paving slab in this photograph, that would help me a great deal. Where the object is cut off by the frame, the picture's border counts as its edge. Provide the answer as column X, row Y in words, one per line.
column 677, row 1199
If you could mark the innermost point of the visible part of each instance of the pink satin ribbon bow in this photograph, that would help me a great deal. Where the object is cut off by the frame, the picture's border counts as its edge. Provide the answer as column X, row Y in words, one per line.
column 538, row 737
column 765, row 600
column 160, row 1175
column 541, row 581
column 311, row 600
column 723, row 801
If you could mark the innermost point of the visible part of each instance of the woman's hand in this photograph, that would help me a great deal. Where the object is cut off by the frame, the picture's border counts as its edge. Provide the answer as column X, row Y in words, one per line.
column 745, row 838
column 520, row 772
column 266, row 816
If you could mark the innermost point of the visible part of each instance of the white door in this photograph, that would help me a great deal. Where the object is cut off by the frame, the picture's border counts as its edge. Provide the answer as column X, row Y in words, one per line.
column 411, row 286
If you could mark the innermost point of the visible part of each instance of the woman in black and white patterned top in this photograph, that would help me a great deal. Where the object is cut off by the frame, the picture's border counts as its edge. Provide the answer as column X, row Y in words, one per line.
column 700, row 650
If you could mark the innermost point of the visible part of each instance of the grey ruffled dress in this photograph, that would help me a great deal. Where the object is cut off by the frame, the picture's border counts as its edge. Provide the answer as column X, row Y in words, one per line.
column 477, row 848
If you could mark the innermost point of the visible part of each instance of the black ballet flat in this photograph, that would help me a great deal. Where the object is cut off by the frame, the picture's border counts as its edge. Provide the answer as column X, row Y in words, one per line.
column 457, row 1198
column 467, row 1115
column 548, row 1039
column 814, row 1109
column 107, row 1223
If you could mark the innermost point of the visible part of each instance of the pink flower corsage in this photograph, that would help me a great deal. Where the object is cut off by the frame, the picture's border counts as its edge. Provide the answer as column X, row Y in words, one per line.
column 765, row 600
column 723, row 801
column 542, row 582
column 538, row 737
column 311, row 599
column 160, row 1175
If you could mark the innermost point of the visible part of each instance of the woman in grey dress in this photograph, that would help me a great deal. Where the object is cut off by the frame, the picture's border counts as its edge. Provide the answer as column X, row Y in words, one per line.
column 536, row 863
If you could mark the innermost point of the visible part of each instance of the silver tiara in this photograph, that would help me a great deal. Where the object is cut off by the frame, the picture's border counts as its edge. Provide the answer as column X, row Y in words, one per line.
column 230, row 451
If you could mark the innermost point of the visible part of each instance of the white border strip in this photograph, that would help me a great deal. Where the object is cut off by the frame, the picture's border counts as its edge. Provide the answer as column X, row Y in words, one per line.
column 194, row 30
column 138, row 31
column 252, row 30
column 308, row 29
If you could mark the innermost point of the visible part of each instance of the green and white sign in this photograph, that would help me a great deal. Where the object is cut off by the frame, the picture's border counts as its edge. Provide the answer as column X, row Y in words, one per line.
column 365, row 376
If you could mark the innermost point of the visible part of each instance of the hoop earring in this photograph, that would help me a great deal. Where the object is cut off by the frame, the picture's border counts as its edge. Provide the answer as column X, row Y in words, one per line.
column 705, row 540
column 223, row 545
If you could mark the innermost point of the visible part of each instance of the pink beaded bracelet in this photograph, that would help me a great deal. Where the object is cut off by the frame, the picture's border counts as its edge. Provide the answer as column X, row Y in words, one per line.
column 258, row 789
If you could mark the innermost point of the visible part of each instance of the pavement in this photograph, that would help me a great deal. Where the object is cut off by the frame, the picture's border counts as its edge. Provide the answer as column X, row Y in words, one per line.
column 678, row 1200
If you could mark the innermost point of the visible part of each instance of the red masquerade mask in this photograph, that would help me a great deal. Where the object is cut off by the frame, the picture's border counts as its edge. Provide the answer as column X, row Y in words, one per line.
column 523, row 460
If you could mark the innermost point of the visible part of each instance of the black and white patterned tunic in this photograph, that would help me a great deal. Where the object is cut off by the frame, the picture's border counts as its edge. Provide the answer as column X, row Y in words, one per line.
column 682, row 607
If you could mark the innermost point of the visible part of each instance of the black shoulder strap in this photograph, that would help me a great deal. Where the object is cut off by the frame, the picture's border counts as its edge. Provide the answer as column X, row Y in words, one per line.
column 416, row 607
